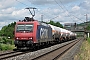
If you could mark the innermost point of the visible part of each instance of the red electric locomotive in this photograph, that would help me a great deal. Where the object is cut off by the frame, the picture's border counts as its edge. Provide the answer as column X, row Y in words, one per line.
column 30, row 32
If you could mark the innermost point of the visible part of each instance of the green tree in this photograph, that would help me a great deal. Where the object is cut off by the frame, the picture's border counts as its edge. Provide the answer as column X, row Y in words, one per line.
column 58, row 24
column 88, row 27
column 8, row 30
column 55, row 24
column 51, row 22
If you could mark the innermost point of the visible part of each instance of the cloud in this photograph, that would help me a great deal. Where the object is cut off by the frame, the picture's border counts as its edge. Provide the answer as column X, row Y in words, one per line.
column 75, row 8
column 85, row 5
column 48, row 13
column 7, row 10
column 19, row 13
column 6, row 3
column 2, row 23
column 6, row 13
column 11, row 10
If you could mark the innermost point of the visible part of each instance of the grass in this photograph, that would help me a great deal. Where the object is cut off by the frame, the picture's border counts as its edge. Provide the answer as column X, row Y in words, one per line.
column 88, row 39
column 84, row 53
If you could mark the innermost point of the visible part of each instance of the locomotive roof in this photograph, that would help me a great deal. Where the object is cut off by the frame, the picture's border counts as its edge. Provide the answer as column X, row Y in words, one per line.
column 26, row 22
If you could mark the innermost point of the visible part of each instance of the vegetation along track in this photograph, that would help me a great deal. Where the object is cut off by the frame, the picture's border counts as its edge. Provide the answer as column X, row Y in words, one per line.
column 55, row 54
column 10, row 54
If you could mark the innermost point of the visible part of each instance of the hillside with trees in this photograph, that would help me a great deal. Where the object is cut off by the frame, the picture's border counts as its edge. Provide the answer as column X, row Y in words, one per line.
column 85, row 24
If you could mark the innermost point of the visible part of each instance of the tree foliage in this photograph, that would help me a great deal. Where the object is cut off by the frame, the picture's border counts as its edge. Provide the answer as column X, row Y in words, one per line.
column 8, row 30
column 88, row 27
column 55, row 24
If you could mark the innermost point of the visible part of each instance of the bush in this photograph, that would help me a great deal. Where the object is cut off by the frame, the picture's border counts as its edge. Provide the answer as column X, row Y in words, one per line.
column 4, row 40
column 6, row 47
column 6, row 44
column 7, row 41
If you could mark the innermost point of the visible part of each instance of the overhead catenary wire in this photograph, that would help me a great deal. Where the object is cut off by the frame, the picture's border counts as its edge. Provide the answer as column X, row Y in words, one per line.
column 47, row 11
column 67, row 10
column 64, row 9
column 58, row 4
column 22, row 3
column 37, row 9
column 61, row 7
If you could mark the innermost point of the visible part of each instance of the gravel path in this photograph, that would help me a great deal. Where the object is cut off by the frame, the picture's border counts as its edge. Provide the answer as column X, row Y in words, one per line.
column 72, row 52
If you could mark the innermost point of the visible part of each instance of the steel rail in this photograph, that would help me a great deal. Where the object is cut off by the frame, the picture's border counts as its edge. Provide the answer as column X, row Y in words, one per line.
column 51, row 55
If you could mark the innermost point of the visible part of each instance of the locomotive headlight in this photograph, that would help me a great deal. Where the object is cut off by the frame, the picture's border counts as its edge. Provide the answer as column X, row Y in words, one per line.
column 31, row 38
column 17, row 38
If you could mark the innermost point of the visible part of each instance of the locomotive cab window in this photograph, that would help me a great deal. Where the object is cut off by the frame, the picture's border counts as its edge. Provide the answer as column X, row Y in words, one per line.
column 24, row 27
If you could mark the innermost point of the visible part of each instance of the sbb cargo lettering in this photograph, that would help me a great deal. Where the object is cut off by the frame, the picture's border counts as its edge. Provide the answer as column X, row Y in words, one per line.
column 43, row 33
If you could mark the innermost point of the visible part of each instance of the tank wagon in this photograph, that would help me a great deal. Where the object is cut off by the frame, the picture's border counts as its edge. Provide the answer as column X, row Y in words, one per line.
column 30, row 32
column 60, row 34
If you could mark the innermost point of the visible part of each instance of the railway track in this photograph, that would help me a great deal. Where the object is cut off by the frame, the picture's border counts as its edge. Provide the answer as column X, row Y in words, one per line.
column 4, row 56
column 43, row 54
column 6, row 53
column 55, row 54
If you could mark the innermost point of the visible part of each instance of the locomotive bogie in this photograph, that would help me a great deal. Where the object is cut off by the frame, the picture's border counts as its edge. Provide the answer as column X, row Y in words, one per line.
column 23, row 43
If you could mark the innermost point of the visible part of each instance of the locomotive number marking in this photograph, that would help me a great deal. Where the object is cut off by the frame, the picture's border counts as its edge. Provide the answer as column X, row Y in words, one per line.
column 43, row 33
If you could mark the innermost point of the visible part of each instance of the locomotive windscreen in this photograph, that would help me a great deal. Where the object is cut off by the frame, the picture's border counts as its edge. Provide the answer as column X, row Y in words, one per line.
column 24, row 27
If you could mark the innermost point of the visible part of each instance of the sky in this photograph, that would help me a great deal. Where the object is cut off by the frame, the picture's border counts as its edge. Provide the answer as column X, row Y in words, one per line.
column 63, row 11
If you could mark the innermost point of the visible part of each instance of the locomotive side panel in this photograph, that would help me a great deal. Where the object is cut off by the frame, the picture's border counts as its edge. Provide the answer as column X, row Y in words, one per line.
column 44, row 34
